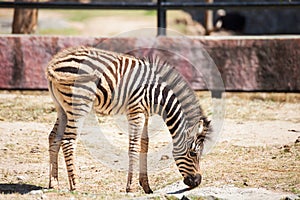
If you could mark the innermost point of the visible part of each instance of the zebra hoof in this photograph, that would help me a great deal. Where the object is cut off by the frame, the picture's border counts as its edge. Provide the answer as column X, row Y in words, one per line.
column 145, row 185
column 73, row 188
column 53, row 184
column 129, row 190
column 148, row 190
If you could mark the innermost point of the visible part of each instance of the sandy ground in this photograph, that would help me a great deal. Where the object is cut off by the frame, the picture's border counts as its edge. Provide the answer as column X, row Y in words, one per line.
column 256, row 156
column 253, row 159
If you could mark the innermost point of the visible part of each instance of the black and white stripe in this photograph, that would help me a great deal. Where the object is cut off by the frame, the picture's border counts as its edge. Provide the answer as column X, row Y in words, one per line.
column 84, row 78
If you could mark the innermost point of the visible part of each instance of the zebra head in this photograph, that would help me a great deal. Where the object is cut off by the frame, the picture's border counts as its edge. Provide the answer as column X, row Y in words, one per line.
column 189, row 162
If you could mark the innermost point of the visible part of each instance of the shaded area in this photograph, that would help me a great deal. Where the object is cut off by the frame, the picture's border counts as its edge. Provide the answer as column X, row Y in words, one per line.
column 180, row 191
column 10, row 188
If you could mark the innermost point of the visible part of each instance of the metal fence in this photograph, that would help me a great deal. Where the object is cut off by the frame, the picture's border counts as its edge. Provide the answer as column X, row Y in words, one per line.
column 161, row 6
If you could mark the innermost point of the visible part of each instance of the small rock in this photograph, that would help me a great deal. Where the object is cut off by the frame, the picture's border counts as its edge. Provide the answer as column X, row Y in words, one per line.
column 164, row 157
column 84, row 168
column 21, row 178
column 36, row 192
column 286, row 148
column 297, row 140
column 35, row 150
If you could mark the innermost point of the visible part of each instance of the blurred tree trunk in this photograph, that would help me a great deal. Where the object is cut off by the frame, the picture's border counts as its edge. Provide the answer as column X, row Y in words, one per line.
column 209, row 19
column 25, row 20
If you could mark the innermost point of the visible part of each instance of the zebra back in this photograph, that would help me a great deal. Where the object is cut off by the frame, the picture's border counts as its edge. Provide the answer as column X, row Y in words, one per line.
column 163, row 73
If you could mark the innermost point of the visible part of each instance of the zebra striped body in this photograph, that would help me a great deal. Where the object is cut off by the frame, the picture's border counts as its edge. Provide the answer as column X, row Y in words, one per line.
column 81, row 79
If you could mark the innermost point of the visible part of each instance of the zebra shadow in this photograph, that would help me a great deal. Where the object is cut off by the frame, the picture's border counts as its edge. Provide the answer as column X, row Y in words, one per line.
column 10, row 188
column 180, row 191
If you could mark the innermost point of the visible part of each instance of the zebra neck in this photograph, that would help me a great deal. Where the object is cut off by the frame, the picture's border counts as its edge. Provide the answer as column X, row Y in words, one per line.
column 176, row 123
column 167, row 105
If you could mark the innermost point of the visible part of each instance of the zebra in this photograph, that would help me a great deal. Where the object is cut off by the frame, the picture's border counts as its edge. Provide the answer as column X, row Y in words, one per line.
column 84, row 78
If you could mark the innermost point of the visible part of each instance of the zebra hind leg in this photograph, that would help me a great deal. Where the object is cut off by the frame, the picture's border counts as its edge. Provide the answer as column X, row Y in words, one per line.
column 55, row 138
column 53, row 154
column 75, row 119
column 73, row 128
column 143, row 176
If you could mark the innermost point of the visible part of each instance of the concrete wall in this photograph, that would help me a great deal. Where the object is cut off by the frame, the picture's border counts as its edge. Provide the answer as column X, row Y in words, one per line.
column 245, row 63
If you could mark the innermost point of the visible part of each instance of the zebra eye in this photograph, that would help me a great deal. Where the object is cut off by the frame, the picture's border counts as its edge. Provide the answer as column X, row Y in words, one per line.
column 193, row 153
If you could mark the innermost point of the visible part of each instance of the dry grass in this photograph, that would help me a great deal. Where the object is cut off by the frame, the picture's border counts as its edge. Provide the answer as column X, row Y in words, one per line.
column 27, row 117
column 275, row 168
column 26, row 106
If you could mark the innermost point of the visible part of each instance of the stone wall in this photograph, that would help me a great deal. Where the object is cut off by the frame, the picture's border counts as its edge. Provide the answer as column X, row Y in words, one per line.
column 245, row 63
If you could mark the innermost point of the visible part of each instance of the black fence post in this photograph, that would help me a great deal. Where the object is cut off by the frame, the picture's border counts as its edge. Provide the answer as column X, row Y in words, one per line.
column 161, row 18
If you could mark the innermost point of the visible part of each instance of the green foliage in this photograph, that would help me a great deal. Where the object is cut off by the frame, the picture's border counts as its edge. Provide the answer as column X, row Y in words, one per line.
column 150, row 12
column 64, row 31
column 83, row 15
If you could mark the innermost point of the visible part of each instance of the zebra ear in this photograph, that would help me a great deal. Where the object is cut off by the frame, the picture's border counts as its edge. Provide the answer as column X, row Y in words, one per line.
column 203, row 123
column 208, row 123
column 201, row 126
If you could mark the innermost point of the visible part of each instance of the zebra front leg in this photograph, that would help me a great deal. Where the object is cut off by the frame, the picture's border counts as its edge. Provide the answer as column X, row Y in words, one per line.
column 133, row 157
column 55, row 138
column 136, row 122
column 143, row 176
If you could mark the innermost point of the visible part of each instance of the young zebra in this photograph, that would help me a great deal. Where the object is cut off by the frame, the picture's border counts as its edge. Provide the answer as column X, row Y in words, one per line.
column 84, row 78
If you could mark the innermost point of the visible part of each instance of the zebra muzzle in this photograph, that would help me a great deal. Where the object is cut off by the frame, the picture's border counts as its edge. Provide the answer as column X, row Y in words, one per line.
column 192, row 180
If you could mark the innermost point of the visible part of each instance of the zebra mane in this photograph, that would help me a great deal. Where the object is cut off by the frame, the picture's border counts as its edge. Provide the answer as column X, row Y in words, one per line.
column 184, row 93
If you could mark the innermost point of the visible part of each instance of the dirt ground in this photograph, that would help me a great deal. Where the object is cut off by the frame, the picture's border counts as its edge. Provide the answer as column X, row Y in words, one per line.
column 258, row 151
column 257, row 155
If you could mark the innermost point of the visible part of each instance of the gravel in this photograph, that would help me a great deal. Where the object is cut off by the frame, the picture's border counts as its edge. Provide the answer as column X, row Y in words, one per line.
column 180, row 191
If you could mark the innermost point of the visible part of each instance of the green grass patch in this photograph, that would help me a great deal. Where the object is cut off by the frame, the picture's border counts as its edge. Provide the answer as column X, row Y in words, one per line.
column 83, row 15
column 64, row 31
column 150, row 12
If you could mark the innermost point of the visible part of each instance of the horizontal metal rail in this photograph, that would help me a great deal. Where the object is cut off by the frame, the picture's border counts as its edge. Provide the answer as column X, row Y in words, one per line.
column 236, row 5
column 150, row 5
column 161, row 7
